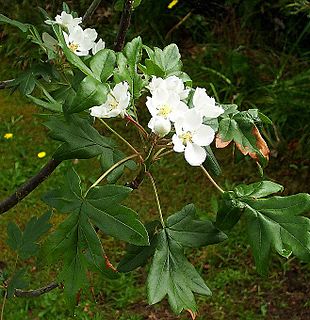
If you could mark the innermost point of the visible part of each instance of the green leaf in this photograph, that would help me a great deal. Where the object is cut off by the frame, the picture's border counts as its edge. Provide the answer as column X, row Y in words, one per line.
column 133, row 51
column 81, row 140
column 22, row 26
column 118, row 221
column 164, row 63
column 102, row 64
column 128, row 73
column 171, row 274
column 241, row 128
column 52, row 106
column 14, row 236
column 69, row 196
column 185, row 228
column 72, row 57
column 258, row 190
column 211, row 162
column 229, row 211
column 276, row 223
column 17, row 282
column 90, row 92
column 109, row 158
column 137, row 256
column 25, row 243
column 26, row 82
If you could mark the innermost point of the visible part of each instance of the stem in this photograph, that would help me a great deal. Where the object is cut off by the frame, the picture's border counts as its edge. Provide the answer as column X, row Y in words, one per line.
column 121, row 138
column 124, row 25
column 211, row 179
column 117, row 164
column 28, row 186
column 158, row 155
column 36, row 292
column 3, row 304
column 91, row 9
column 157, row 199
column 138, row 125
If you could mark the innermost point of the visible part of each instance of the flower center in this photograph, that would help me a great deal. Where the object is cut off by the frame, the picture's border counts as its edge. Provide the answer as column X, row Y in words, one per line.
column 164, row 110
column 73, row 46
column 186, row 137
column 113, row 103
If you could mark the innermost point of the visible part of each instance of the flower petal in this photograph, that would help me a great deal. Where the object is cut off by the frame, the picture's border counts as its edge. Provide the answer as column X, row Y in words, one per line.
column 203, row 136
column 194, row 154
column 178, row 146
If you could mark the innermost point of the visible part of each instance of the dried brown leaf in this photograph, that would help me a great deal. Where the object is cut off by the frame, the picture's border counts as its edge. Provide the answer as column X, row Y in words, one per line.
column 219, row 143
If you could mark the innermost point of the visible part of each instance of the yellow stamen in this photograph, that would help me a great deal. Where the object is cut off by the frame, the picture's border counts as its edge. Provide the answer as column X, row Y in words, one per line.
column 164, row 110
column 8, row 136
column 73, row 46
column 113, row 104
column 186, row 137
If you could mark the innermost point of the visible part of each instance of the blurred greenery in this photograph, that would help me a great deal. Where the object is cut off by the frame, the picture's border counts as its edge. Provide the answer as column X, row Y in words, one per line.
column 253, row 53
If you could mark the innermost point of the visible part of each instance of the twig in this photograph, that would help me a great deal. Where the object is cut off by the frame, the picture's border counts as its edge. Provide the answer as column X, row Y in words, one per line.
column 177, row 25
column 6, row 83
column 124, row 25
column 29, row 186
column 91, row 9
column 117, row 164
column 121, row 138
column 211, row 179
column 36, row 292
column 157, row 198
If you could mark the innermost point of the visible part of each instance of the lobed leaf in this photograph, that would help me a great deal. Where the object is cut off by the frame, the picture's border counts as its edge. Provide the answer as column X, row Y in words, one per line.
column 81, row 139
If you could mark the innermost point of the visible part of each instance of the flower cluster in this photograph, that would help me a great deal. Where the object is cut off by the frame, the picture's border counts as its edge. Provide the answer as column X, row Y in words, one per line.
column 79, row 41
column 169, row 105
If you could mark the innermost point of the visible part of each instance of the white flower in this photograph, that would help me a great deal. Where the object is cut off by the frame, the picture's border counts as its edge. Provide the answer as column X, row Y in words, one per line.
column 190, row 137
column 80, row 41
column 66, row 20
column 99, row 45
column 205, row 105
column 165, row 104
column 117, row 102
column 159, row 125
column 172, row 83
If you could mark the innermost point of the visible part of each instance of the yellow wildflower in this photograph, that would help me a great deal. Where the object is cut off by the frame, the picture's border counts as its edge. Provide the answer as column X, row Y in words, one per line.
column 8, row 135
column 172, row 4
column 41, row 154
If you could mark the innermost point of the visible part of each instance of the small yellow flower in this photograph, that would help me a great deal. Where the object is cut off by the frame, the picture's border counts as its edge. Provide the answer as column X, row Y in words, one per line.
column 172, row 4
column 8, row 135
column 41, row 154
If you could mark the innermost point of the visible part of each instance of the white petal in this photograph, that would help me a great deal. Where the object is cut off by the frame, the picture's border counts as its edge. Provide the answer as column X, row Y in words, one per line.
column 178, row 146
column 99, row 45
column 91, row 34
column 192, row 120
column 160, row 126
column 98, row 111
column 194, row 154
column 203, row 136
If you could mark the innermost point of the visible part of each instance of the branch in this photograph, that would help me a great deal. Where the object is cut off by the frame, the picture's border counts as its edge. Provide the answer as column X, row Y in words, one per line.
column 124, row 25
column 6, row 83
column 29, row 186
column 36, row 292
column 91, row 9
